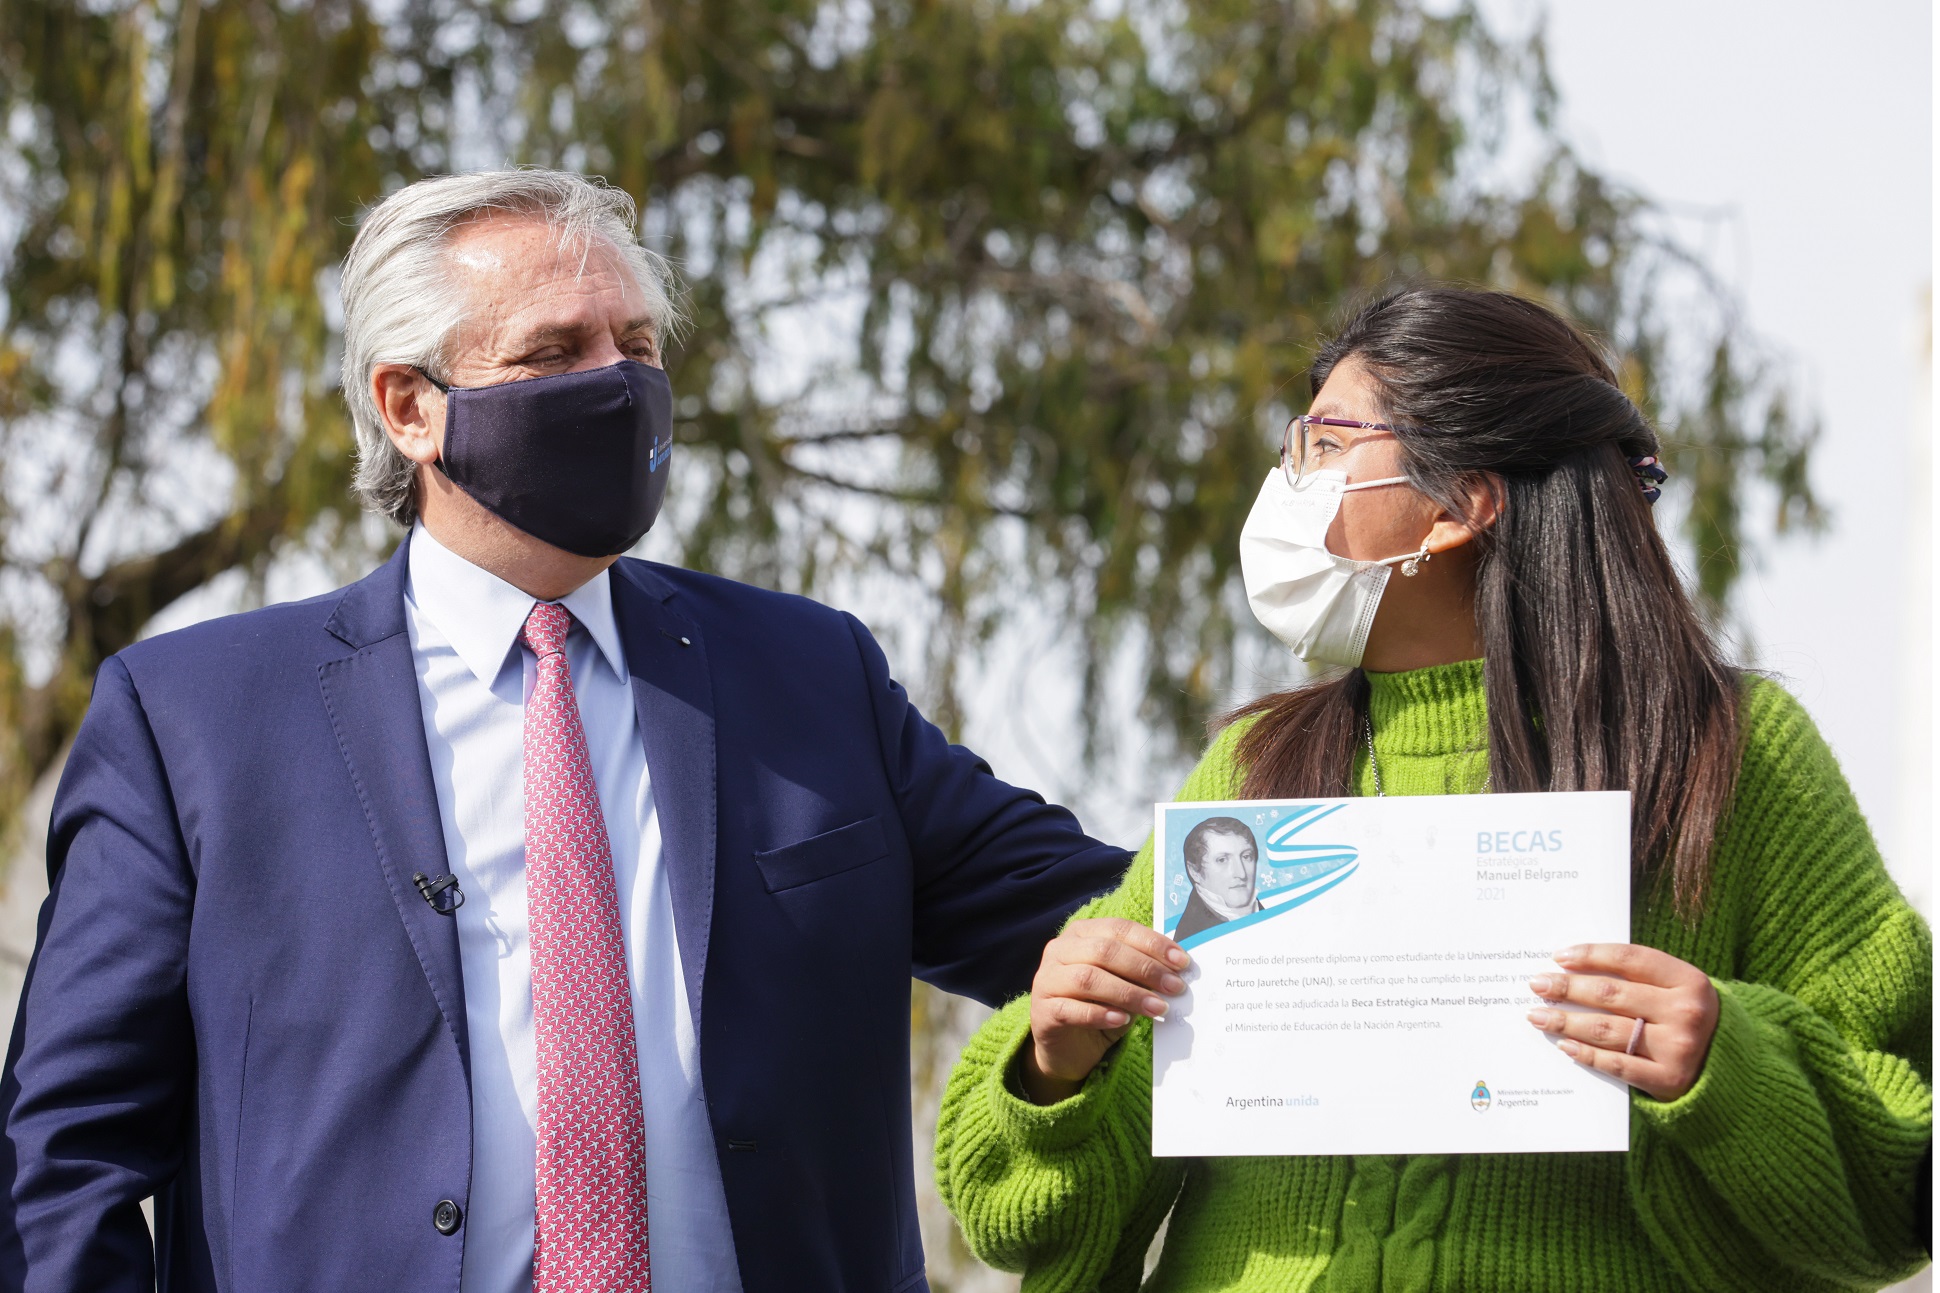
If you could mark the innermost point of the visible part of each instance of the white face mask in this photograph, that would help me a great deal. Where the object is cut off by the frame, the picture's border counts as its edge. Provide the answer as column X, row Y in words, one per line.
column 1317, row 603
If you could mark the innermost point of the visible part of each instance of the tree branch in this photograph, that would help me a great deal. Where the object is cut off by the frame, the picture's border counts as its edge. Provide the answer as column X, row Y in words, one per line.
column 907, row 497
column 107, row 612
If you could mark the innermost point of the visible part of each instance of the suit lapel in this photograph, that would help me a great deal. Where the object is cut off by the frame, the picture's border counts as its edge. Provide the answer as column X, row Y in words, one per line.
column 673, row 700
column 371, row 695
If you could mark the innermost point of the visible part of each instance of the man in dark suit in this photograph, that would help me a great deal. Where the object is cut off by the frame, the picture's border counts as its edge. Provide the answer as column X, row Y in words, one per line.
column 1223, row 862
column 444, row 931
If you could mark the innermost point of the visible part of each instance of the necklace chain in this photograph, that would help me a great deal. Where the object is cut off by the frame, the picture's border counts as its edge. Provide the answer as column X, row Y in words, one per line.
column 1374, row 764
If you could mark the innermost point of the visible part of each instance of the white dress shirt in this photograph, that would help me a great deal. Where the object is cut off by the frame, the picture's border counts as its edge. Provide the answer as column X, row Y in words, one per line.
column 473, row 678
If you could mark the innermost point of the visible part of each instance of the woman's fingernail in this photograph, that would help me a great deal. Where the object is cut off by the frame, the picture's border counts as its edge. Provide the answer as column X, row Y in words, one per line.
column 1172, row 983
column 1545, row 985
column 1570, row 1049
column 1154, row 1007
column 1178, row 958
column 1117, row 1018
column 1543, row 1019
column 1572, row 953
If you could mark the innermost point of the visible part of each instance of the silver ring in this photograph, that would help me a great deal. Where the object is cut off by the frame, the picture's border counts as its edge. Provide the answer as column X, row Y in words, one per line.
column 1636, row 1035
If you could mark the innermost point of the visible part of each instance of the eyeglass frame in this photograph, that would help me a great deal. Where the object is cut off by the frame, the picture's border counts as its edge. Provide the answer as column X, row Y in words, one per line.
column 1304, row 420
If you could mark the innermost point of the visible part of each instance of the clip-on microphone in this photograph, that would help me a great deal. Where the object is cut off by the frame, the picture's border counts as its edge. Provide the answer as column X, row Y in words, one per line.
column 432, row 889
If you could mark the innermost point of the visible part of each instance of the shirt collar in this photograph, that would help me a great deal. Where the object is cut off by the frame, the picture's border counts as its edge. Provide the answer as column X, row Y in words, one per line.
column 481, row 615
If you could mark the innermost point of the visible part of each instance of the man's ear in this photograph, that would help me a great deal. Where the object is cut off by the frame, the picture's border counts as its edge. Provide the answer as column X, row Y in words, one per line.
column 1483, row 497
column 413, row 409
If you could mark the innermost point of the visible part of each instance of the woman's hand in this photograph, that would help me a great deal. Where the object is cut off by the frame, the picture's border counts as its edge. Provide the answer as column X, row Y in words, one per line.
column 1674, row 999
column 1094, row 978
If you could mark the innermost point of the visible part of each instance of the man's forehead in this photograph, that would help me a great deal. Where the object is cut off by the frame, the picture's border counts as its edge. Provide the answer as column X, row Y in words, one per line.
column 501, row 236
column 523, row 275
column 504, row 251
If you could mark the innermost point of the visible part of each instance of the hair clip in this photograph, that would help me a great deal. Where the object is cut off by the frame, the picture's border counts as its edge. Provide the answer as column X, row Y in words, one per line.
column 1650, row 475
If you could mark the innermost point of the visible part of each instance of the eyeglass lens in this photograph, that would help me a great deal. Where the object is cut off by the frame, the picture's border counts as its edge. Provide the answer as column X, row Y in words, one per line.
column 1298, row 452
column 1296, row 448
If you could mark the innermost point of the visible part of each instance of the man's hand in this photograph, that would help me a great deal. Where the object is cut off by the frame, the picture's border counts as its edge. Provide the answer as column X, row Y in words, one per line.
column 1094, row 978
column 1674, row 1000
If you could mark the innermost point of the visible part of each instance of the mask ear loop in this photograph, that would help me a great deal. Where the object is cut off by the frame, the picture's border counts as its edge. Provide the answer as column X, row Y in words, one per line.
column 1374, row 484
column 1410, row 565
column 444, row 388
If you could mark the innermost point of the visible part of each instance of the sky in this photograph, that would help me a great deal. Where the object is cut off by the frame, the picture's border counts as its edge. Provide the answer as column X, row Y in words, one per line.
column 1807, row 131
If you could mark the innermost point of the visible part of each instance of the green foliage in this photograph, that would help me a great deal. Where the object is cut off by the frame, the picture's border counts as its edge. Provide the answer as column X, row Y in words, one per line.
column 1738, row 425
column 1091, row 255
column 1060, row 266
column 179, row 180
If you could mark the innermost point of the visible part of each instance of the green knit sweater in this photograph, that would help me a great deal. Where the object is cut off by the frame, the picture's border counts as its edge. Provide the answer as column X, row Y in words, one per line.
column 1790, row 1165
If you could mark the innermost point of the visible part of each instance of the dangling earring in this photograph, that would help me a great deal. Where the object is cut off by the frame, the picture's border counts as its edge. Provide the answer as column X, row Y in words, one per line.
column 1412, row 566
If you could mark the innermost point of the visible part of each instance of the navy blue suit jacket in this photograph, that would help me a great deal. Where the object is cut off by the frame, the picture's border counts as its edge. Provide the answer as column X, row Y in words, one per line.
column 240, row 1004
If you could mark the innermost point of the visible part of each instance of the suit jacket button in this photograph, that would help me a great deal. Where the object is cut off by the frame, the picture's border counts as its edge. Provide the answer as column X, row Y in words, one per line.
column 446, row 1217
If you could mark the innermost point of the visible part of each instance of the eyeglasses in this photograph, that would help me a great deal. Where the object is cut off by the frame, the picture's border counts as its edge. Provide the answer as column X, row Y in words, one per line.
column 1302, row 452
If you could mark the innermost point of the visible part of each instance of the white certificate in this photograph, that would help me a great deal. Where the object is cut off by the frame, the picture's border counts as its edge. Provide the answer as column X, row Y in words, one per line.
column 1360, row 974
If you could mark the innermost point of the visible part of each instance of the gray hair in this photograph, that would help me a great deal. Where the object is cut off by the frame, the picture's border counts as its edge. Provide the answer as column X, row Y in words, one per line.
column 400, row 306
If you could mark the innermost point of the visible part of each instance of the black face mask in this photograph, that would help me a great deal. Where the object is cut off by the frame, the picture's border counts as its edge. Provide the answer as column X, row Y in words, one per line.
column 578, row 460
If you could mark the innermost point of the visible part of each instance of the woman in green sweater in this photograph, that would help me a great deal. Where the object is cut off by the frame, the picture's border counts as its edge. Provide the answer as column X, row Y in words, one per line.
column 1537, row 638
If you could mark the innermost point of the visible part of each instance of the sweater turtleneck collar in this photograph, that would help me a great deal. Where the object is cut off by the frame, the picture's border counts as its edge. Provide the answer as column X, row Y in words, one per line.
column 1439, row 710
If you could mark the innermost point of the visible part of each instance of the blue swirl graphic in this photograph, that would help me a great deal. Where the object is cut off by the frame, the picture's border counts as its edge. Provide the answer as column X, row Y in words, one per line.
column 1292, row 873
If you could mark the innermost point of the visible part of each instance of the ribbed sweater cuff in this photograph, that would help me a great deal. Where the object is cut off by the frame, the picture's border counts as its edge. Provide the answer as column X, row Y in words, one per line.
column 1725, row 1101
column 1050, row 1128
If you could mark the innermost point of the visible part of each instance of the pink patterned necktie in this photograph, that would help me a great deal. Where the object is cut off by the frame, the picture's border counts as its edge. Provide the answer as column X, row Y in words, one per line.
column 592, row 1176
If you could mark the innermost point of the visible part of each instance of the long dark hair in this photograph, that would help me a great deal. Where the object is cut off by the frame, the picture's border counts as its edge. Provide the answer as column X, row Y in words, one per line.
column 1600, row 675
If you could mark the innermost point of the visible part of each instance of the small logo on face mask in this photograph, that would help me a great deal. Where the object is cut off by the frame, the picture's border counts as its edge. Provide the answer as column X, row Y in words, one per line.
column 662, row 450
column 1480, row 1099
